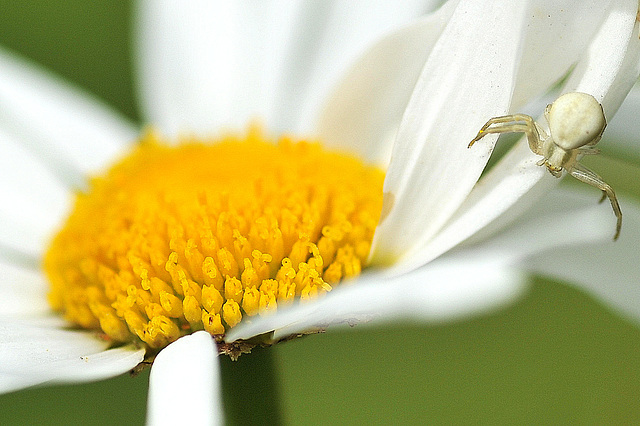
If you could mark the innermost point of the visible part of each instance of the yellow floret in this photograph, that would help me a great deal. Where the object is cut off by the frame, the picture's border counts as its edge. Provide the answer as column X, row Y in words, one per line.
column 206, row 234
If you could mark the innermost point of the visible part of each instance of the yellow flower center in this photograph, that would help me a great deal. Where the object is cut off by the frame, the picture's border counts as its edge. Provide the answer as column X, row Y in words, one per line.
column 175, row 239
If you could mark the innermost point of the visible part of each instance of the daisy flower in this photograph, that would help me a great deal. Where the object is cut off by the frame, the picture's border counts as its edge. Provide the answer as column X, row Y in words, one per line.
column 177, row 253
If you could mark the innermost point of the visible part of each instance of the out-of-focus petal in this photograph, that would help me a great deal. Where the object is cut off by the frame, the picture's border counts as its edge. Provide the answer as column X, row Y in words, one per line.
column 212, row 65
column 33, row 353
column 186, row 374
column 195, row 60
column 33, row 201
column 446, row 289
column 364, row 111
column 622, row 137
column 516, row 182
column 326, row 38
column 19, row 243
column 607, row 269
column 67, row 129
column 466, row 79
column 558, row 32
column 22, row 292
column 560, row 218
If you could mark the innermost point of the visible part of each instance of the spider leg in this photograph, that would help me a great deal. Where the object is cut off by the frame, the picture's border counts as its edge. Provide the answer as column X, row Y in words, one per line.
column 604, row 195
column 516, row 123
column 591, row 150
column 588, row 150
column 585, row 175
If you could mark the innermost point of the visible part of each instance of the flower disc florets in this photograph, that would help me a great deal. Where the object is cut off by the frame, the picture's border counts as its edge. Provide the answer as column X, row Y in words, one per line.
column 175, row 239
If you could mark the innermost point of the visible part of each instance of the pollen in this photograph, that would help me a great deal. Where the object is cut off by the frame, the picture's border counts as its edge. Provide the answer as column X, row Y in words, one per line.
column 205, row 235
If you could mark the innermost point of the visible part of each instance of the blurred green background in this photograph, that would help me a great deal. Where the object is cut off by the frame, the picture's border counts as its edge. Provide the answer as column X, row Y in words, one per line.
column 556, row 356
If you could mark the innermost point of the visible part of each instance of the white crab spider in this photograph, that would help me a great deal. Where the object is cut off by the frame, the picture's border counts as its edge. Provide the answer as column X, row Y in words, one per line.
column 576, row 122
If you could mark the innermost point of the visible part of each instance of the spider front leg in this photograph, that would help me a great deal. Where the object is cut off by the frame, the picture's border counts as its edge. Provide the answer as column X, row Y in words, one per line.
column 585, row 175
column 515, row 123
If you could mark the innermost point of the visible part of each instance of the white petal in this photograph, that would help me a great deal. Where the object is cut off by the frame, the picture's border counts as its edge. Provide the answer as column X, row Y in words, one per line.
column 326, row 38
column 524, row 182
column 34, row 353
column 609, row 270
column 612, row 61
column 468, row 77
column 87, row 368
column 440, row 291
column 206, row 65
column 19, row 243
column 516, row 181
column 560, row 218
column 25, row 343
column 621, row 136
column 22, row 292
column 185, row 374
column 70, row 131
column 557, row 34
column 364, row 111
column 34, row 202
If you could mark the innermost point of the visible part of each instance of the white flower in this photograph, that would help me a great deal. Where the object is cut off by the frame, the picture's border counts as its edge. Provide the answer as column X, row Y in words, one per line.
column 412, row 103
